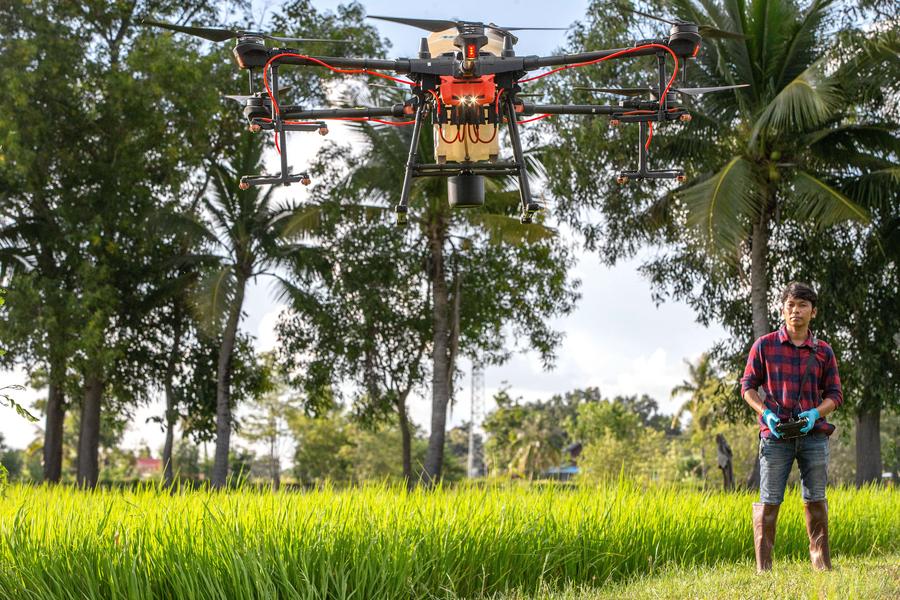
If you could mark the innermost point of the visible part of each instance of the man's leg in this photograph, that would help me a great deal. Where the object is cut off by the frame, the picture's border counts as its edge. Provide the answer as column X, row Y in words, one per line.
column 813, row 461
column 775, row 460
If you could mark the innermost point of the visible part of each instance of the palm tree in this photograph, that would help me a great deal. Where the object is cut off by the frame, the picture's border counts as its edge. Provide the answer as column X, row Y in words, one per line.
column 248, row 235
column 447, row 237
column 704, row 387
column 781, row 148
column 532, row 451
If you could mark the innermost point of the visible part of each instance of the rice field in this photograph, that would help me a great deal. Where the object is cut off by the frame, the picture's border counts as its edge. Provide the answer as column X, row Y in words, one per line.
column 380, row 541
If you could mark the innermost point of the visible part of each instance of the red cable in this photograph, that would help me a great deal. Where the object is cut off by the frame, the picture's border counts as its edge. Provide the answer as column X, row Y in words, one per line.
column 327, row 66
column 614, row 55
column 537, row 118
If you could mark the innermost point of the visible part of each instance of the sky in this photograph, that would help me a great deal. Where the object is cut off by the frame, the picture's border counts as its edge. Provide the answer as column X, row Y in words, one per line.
column 617, row 339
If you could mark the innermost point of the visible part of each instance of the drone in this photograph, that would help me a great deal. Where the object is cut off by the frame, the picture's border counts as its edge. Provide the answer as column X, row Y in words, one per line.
column 467, row 80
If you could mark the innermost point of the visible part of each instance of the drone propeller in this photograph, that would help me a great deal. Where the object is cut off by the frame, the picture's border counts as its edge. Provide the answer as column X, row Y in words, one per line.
column 243, row 99
column 620, row 91
column 706, row 31
column 705, row 90
column 442, row 24
column 640, row 91
column 220, row 35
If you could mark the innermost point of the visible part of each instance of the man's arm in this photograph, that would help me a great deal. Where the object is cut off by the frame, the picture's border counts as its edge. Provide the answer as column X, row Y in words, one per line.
column 828, row 405
column 832, row 394
column 751, row 397
column 754, row 374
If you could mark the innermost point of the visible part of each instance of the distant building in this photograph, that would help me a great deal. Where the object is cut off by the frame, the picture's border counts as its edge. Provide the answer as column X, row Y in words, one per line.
column 566, row 472
column 147, row 467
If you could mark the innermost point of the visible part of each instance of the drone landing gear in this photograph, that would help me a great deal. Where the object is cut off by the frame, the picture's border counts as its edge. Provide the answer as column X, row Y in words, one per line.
column 248, row 181
column 529, row 206
column 643, row 172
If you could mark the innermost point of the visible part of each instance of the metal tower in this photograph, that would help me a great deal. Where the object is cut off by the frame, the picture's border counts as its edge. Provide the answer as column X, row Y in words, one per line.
column 475, row 415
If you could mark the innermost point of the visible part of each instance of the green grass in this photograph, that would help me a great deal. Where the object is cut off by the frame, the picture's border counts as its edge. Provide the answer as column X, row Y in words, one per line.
column 862, row 578
column 382, row 542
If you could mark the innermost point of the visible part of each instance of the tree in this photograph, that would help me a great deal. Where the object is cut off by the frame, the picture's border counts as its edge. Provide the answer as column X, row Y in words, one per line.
column 247, row 237
column 617, row 440
column 269, row 416
column 707, row 393
column 320, row 444
column 526, row 439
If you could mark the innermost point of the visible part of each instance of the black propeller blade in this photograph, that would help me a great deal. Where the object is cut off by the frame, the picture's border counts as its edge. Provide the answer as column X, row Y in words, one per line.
column 640, row 91
column 442, row 24
column 214, row 34
column 705, row 90
column 243, row 99
column 706, row 31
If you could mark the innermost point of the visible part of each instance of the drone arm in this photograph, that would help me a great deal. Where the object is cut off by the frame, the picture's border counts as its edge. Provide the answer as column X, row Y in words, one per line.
column 568, row 109
column 296, row 113
column 537, row 62
column 399, row 65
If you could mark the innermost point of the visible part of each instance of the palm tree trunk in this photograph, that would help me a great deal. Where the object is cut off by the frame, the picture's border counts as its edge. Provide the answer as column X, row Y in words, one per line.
column 440, row 391
column 223, row 389
column 56, row 416
column 759, row 283
column 89, row 436
column 171, row 414
column 868, row 445
column 759, row 290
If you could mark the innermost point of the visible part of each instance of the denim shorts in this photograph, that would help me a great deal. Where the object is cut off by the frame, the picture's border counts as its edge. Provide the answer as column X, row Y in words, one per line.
column 776, row 457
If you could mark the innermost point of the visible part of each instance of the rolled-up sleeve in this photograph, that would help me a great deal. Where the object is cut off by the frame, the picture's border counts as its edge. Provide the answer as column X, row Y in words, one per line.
column 831, row 381
column 754, row 372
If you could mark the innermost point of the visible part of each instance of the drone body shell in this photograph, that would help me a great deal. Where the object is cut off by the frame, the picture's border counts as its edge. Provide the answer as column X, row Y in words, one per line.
column 464, row 150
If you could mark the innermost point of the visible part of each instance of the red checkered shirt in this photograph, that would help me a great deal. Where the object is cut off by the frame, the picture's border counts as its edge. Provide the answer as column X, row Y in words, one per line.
column 777, row 365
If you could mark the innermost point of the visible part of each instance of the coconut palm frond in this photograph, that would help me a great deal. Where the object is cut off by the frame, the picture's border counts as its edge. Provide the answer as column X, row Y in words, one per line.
column 304, row 222
column 820, row 203
column 796, row 49
column 876, row 189
column 502, row 229
column 720, row 207
column 875, row 137
column 808, row 101
column 214, row 295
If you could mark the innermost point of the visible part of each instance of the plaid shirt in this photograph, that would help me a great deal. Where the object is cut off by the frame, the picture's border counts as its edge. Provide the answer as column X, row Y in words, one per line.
column 777, row 365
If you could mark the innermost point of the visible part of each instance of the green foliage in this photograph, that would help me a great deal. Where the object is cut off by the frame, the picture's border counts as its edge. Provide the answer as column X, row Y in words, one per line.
column 526, row 439
column 334, row 447
column 5, row 399
column 380, row 541
column 197, row 386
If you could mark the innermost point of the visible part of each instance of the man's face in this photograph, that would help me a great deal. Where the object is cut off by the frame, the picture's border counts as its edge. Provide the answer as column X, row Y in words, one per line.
column 798, row 312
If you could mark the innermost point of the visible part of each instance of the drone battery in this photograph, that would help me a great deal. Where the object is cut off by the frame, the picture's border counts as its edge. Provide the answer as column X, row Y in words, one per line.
column 466, row 190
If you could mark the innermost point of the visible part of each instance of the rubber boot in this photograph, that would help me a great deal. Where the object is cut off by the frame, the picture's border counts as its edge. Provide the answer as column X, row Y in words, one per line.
column 817, row 528
column 764, row 518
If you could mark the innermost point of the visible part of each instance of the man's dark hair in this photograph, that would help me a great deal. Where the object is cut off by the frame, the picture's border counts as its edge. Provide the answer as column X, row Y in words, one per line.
column 800, row 290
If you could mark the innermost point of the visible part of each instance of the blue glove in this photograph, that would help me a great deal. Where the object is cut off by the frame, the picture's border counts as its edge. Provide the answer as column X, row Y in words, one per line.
column 812, row 415
column 771, row 421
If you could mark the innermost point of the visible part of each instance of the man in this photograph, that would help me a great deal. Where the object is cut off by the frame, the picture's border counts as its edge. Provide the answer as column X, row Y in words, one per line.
column 799, row 378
